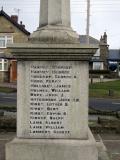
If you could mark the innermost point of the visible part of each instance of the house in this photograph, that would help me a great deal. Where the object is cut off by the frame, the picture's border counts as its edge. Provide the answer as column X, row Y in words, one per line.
column 10, row 32
column 99, row 60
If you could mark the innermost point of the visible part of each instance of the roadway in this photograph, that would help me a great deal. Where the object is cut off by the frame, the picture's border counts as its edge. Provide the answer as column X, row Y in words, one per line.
column 7, row 99
column 97, row 103
column 105, row 104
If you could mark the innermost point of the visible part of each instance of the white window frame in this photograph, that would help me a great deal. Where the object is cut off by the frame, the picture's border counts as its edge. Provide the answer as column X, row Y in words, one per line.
column 3, row 62
column 97, row 65
column 6, row 38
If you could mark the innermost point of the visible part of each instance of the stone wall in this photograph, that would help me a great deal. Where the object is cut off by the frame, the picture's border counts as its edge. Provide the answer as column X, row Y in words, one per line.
column 104, row 55
column 8, row 27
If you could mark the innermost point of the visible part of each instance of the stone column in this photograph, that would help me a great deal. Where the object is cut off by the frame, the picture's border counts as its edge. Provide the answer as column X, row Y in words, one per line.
column 55, row 12
column 54, row 26
column 52, row 93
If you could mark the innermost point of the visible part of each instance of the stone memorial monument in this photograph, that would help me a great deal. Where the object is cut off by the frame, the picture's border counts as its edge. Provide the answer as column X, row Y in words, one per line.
column 52, row 91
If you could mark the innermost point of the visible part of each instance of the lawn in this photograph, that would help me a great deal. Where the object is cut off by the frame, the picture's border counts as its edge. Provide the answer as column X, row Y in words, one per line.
column 105, row 89
column 8, row 107
column 100, row 89
column 7, row 90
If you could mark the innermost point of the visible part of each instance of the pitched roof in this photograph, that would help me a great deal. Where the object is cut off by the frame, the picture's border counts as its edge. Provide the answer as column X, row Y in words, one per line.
column 83, row 40
column 2, row 13
column 114, row 55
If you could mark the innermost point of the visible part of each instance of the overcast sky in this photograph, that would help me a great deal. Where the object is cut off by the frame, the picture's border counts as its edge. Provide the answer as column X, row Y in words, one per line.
column 104, row 16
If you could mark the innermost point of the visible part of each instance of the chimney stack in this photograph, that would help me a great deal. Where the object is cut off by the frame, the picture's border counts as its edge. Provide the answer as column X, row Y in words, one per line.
column 14, row 18
column 103, row 39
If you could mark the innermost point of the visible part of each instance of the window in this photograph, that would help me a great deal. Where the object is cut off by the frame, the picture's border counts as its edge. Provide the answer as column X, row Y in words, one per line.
column 97, row 65
column 9, row 39
column 3, row 65
column 4, row 40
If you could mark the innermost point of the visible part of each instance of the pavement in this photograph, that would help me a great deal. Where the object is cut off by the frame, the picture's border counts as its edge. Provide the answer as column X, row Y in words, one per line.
column 94, row 80
column 105, row 104
column 9, row 85
column 111, row 142
column 8, row 99
column 5, row 138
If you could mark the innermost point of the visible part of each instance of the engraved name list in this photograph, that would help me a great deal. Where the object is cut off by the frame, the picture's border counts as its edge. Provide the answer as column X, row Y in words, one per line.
column 51, row 98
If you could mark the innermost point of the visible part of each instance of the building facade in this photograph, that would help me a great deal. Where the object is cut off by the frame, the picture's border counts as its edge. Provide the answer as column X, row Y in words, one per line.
column 10, row 32
column 99, row 60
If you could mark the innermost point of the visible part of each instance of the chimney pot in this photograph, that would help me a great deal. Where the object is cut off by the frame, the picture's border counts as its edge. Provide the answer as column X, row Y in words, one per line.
column 22, row 25
column 14, row 18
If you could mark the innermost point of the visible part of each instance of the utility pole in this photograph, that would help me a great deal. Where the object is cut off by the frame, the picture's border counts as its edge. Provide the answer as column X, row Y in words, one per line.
column 88, row 22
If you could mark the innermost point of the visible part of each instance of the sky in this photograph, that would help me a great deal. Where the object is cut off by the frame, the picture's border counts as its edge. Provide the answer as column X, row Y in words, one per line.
column 104, row 17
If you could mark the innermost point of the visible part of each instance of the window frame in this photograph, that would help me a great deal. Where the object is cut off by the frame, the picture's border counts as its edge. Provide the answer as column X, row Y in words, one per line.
column 2, row 38
column 6, row 38
column 3, row 62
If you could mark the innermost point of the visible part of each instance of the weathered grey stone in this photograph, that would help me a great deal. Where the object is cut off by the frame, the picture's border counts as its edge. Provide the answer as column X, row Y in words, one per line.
column 54, row 24
column 52, row 149
column 53, row 51
column 75, row 121
column 102, row 151
column 54, row 34
column 54, row 12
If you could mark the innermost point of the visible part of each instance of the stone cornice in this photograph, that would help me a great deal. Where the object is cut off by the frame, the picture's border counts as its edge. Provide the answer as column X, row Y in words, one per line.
column 48, row 52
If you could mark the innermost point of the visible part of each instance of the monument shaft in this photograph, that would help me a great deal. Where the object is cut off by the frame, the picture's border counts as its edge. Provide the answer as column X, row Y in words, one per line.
column 52, row 96
column 55, row 12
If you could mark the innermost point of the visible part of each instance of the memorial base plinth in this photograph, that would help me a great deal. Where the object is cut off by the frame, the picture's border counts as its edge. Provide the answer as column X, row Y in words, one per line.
column 52, row 149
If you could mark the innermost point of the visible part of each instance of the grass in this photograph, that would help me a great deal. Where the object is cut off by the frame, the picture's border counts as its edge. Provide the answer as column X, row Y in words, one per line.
column 7, row 107
column 105, row 89
column 7, row 90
